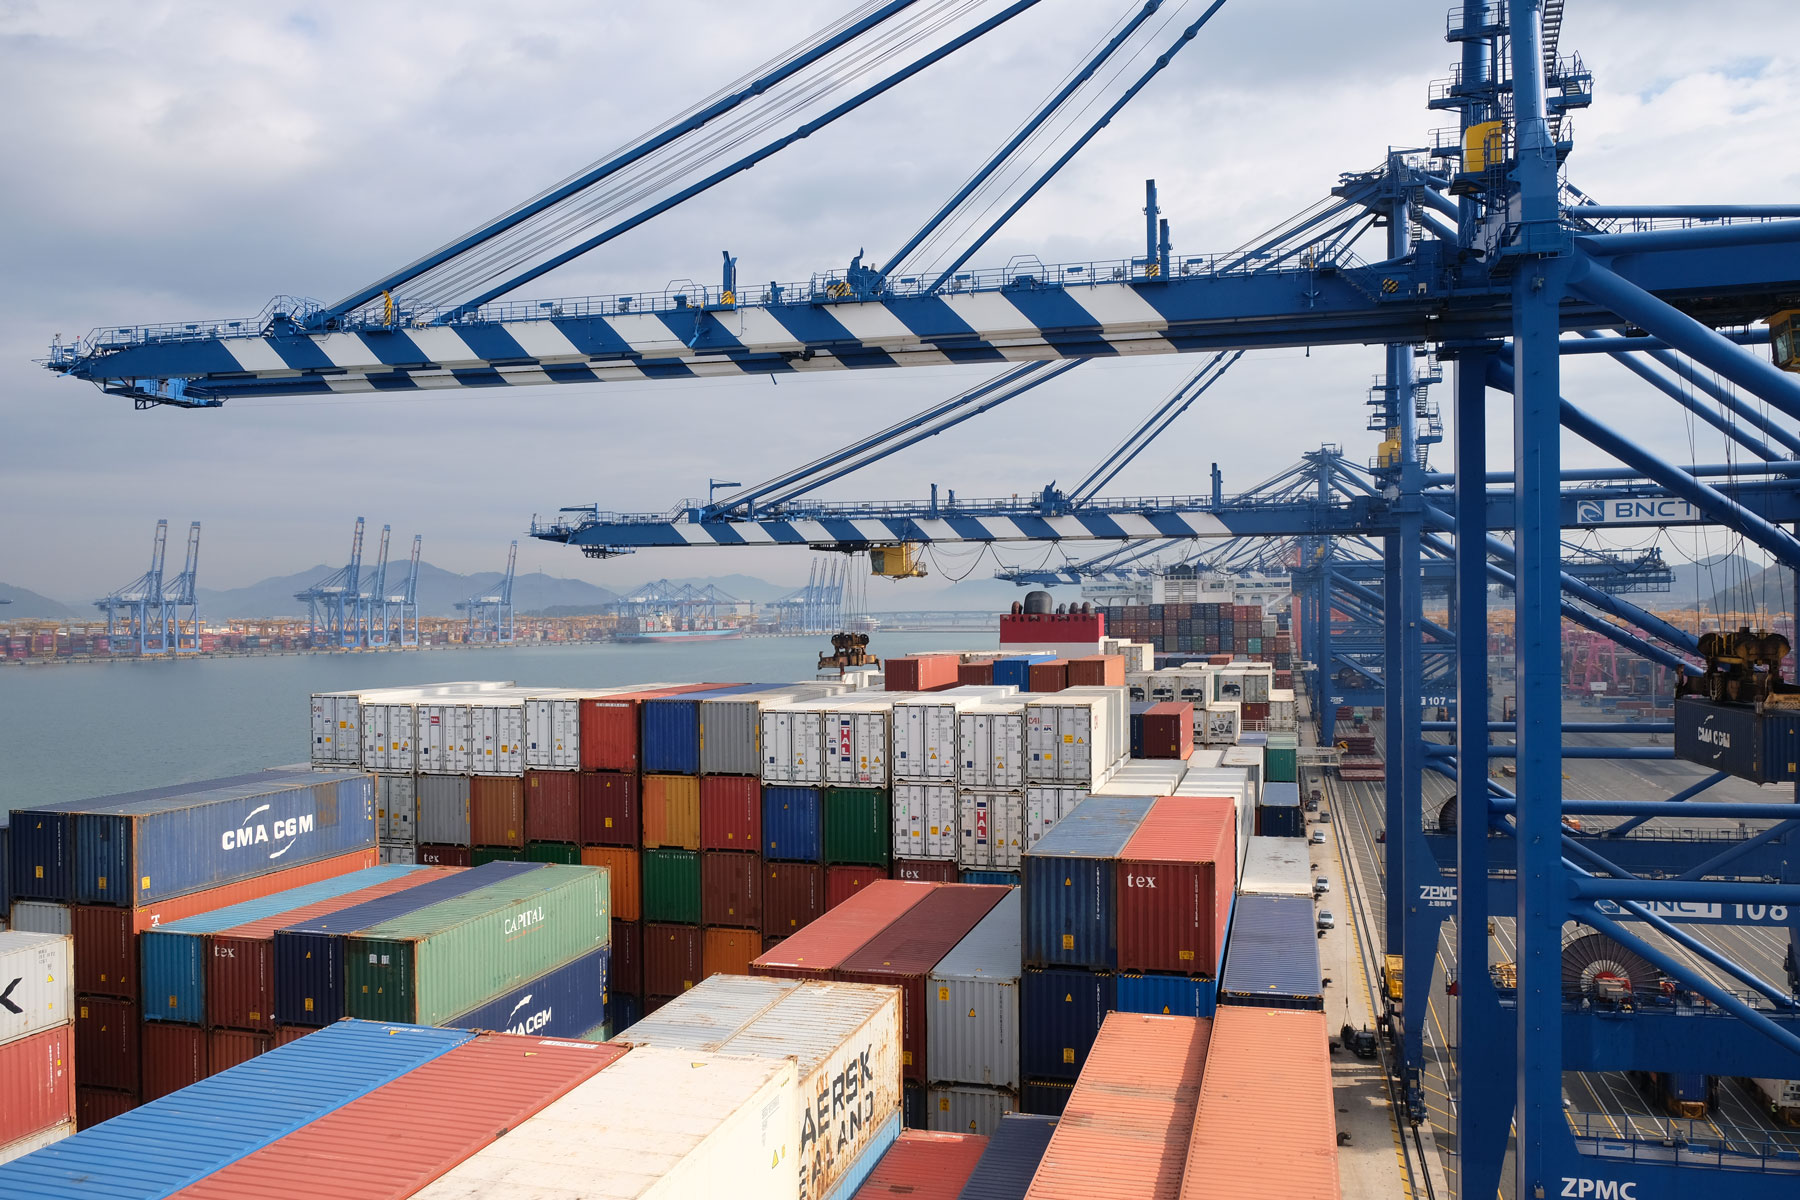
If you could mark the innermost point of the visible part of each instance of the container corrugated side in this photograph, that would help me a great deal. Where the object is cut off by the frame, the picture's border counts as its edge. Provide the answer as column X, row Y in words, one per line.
column 219, row 1120
column 972, row 1004
column 904, row 954
column 443, row 810
column 1273, row 958
column 1176, row 880
column 431, row 964
column 925, row 737
column 1070, row 901
column 174, row 957
column 309, row 957
column 992, row 830
column 924, row 1165
column 656, row 1124
column 844, row 1040
column 858, row 826
column 1266, row 1098
column 40, row 916
column 37, row 1141
column 671, row 805
column 926, row 820
column 731, row 813
column 37, row 1084
column 966, row 1109
column 793, row 828
column 1061, row 1012
column 37, row 973
column 990, row 745
column 449, row 1107
column 821, row 947
column 1131, row 1115
column 1013, row 1153
column 1167, row 995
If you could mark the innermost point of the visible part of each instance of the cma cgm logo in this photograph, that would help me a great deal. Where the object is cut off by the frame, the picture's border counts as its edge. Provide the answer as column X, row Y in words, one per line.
column 1598, row 1189
column 1638, row 509
column 282, row 833
column 1711, row 735
column 530, row 1024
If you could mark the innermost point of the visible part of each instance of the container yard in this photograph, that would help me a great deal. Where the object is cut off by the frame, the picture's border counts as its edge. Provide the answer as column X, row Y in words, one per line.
column 1373, row 830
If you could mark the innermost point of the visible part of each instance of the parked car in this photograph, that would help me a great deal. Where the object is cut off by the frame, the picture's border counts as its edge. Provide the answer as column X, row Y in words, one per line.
column 1318, row 837
column 1326, row 920
column 1321, row 885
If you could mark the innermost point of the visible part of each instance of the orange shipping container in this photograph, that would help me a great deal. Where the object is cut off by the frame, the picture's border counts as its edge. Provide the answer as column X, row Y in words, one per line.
column 729, row 951
column 1097, row 670
column 623, row 867
column 1131, row 1115
column 496, row 810
column 816, row 950
column 925, row 1166
column 1264, row 1128
column 672, row 811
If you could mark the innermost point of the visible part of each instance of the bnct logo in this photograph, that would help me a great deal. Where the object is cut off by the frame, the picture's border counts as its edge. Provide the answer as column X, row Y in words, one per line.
column 1598, row 1189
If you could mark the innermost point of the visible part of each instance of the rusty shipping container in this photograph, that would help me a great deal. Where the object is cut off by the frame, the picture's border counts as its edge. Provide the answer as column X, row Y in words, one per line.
column 730, row 813
column 671, row 812
column 1097, row 670
column 903, row 955
column 673, row 959
column 625, row 868
column 731, row 890
column 793, row 896
column 552, row 806
column 174, row 1056
column 1131, row 1115
column 107, row 1037
column 1265, row 1126
column 1176, row 882
column 94, row 1105
column 609, row 812
column 627, row 965
column 820, row 948
column 728, row 951
column 496, row 810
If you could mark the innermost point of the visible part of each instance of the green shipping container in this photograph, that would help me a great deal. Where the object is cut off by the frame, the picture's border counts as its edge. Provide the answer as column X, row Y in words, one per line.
column 433, row 964
column 672, row 886
column 1281, row 758
column 566, row 853
column 488, row 854
column 858, row 826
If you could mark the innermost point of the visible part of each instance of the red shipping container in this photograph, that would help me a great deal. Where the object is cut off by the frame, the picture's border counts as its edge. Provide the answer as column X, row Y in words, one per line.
column 1130, row 1116
column 923, row 870
column 925, row 1166
column 450, row 1108
column 496, row 811
column 174, row 1056
column 1255, row 712
column 1174, row 886
column 240, row 961
column 793, row 896
column 1265, row 1097
column 106, row 1043
column 226, row 1048
column 1097, row 670
column 286, row 1035
column 443, row 856
column 731, row 890
column 816, row 951
column 672, row 959
column 841, row 883
column 37, row 1083
column 625, row 970
column 94, row 1105
column 1169, row 730
column 106, row 937
column 921, row 672
column 1052, row 676
column 976, row 674
column 625, row 877
column 609, row 813
column 609, row 725
column 552, row 806
column 729, row 951
column 730, row 813
column 904, row 953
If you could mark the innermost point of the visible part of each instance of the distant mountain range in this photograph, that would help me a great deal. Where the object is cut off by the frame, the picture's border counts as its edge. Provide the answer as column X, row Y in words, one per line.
column 439, row 592
column 29, row 604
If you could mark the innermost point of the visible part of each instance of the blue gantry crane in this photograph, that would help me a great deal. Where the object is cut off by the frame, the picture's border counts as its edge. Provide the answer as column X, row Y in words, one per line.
column 817, row 606
column 491, row 615
column 335, row 609
column 181, row 600
column 148, row 615
column 399, row 619
column 1473, row 250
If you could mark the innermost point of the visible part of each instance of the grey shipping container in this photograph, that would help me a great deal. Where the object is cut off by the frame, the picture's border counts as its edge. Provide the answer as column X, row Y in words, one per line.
column 443, row 810
column 972, row 1006
column 39, row 916
column 731, row 728
column 1276, row 866
column 958, row 1108
column 397, row 806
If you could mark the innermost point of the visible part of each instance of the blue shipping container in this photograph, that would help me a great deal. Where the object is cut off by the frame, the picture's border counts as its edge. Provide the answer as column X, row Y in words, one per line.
column 1045, row 1097
column 1137, row 727
column 793, row 827
column 207, row 836
column 1169, row 995
column 42, row 854
column 623, row 1010
column 852, row 1180
column 670, row 727
column 1001, row 878
column 1060, row 1013
column 309, row 958
column 1068, row 877
column 1016, row 670
column 1272, row 959
column 1013, row 1153
column 214, row 1123
column 5, row 862
column 1278, row 812
column 173, row 956
column 564, row 1003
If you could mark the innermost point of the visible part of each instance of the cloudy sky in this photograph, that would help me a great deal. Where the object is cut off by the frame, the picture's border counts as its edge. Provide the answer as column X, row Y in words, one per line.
column 175, row 161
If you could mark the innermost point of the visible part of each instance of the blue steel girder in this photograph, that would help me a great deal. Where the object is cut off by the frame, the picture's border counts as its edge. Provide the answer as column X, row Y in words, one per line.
column 1061, row 313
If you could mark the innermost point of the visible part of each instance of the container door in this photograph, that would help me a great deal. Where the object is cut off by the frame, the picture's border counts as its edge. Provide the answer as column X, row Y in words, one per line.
column 336, row 729
column 940, row 741
column 538, row 737
column 872, row 748
column 975, row 850
column 1041, row 808
column 1006, row 828
column 565, row 732
column 910, row 756
column 1041, row 741
column 942, row 822
column 510, row 753
column 909, row 820
column 1009, row 750
column 809, row 747
column 973, row 757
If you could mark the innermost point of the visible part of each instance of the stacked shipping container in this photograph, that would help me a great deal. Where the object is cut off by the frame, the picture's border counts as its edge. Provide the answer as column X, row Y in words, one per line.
column 37, row 1042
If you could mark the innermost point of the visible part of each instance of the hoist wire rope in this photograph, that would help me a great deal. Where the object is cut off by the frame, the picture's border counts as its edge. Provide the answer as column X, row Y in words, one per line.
column 950, row 236
column 631, row 185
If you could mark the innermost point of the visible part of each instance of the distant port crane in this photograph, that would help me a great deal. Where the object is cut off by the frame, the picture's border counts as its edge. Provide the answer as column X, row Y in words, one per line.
column 151, row 616
column 491, row 615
